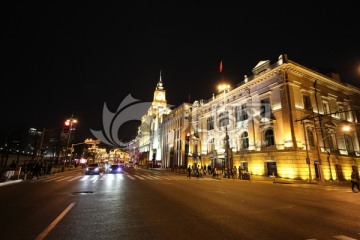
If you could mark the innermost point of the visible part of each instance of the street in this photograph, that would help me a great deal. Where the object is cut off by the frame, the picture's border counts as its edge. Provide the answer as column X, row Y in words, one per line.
column 149, row 204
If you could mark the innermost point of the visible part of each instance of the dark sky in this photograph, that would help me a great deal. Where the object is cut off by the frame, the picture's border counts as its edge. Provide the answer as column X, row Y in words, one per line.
column 71, row 58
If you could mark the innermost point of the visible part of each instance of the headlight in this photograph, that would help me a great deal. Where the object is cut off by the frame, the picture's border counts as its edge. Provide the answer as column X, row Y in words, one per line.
column 97, row 169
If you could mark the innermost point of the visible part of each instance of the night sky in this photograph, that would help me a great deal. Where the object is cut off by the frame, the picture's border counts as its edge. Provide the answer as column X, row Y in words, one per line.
column 72, row 58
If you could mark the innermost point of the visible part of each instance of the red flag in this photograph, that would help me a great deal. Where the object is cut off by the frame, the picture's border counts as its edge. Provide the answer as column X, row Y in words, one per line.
column 220, row 69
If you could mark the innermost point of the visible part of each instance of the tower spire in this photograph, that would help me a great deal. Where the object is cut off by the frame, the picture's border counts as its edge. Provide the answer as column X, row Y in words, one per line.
column 159, row 85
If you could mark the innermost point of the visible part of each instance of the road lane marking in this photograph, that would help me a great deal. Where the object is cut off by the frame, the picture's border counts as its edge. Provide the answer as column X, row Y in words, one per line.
column 63, row 179
column 131, row 177
column 341, row 237
column 52, row 179
column 55, row 222
column 74, row 178
column 138, row 177
column 84, row 178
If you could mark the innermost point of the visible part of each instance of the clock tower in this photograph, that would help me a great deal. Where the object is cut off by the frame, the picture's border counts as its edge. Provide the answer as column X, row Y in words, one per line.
column 159, row 95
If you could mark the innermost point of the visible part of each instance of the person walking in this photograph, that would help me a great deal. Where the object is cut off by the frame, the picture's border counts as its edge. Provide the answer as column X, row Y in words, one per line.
column 354, row 182
column 189, row 172
column 36, row 170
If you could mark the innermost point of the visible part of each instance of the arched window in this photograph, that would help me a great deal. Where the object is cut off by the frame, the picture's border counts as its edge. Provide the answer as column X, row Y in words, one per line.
column 244, row 140
column 224, row 119
column 269, row 138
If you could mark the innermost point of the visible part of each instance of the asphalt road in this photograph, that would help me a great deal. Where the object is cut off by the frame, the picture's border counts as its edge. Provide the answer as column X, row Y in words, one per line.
column 147, row 204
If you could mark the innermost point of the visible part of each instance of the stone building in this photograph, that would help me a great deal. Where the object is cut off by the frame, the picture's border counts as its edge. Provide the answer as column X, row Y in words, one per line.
column 175, row 127
column 285, row 120
column 149, row 140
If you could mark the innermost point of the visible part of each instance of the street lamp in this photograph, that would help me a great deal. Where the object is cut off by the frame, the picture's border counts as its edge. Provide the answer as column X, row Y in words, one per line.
column 307, row 150
column 70, row 125
column 223, row 88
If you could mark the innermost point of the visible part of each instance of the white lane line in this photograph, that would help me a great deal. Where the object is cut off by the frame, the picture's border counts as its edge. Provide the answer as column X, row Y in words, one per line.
column 139, row 177
column 74, row 178
column 54, row 223
column 52, row 179
column 63, row 179
column 131, row 177
column 341, row 237
column 84, row 178
column 146, row 176
column 94, row 179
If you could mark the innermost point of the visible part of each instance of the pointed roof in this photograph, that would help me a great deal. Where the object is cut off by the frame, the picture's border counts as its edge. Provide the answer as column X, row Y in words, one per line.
column 159, row 85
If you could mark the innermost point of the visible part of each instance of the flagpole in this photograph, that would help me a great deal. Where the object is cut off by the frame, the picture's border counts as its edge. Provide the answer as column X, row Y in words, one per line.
column 221, row 71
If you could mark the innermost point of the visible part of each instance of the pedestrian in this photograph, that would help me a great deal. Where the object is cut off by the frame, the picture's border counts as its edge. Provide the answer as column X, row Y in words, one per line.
column 49, row 167
column 36, row 170
column 234, row 172
column 354, row 182
column 189, row 172
column 13, row 165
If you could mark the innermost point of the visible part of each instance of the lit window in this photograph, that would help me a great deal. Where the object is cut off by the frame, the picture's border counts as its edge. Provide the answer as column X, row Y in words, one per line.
column 269, row 138
column 244, row 140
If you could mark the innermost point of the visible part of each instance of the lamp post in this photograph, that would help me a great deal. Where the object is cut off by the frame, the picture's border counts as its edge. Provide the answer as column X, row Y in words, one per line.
column 70, row 123
column 307, row 151
column 223, row 88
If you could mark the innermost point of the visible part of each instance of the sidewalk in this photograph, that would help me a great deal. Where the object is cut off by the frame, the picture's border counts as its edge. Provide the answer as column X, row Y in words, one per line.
column 268, row 179
column 30, row 177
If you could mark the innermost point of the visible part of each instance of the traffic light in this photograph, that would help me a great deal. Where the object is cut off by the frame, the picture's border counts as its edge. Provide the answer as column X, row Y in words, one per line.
column 66, row 128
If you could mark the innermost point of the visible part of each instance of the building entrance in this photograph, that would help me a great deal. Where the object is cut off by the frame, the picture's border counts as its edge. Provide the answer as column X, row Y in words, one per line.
column 271, row 169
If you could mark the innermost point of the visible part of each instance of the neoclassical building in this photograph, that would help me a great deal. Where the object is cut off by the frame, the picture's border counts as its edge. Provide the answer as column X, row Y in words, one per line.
column 285, row 120
column 175, row 127
column 149, row 138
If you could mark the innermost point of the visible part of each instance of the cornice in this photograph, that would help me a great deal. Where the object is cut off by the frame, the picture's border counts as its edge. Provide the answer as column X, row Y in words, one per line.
column 321, row 79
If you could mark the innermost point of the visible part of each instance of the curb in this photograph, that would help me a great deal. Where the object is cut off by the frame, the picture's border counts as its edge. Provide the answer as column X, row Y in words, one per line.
column 10, row 182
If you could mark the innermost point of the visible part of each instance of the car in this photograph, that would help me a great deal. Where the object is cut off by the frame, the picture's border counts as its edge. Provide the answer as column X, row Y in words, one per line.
column 116, row 168
column 94, row 168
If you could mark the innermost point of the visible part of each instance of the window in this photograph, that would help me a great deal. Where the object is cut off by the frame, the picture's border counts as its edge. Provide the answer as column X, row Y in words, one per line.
column 341, row 113
column 211, row 145
column 307, row 103
column 224, row 119
column 269, row 138
column 310, row 136
column 241, row 113
column 210, row 123
column 238, row 114
column 265, row 108
column 244, row 140
column 348, row 143
column 326, row 107
column 329, row 141
column 244, row 115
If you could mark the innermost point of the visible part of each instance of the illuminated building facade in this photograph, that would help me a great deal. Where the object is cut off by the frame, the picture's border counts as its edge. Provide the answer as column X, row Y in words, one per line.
column 149, row 134
column 285, row 120
column 174, row 129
